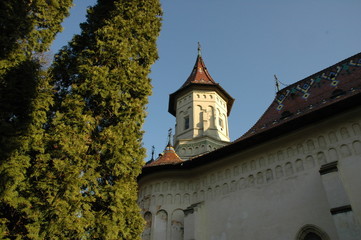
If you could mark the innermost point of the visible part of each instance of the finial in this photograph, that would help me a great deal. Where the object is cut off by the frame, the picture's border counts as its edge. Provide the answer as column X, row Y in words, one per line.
column 277, row 83
column 169, row 135
column 199, row 49
column 153, row 150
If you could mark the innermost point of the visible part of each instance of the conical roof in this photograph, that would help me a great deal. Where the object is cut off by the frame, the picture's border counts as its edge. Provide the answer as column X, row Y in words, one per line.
column 199, row 74
column 168, row 157
column 199, row 79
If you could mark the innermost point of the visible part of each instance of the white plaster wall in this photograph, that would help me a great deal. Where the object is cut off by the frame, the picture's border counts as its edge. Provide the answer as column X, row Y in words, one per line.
column 184, row 108
column 271, row 211
column 268, row 192
column 208, row 120
column 204, row 109
column 349, row 227
column 211, row 107
column 350, row 159
column 335, row 190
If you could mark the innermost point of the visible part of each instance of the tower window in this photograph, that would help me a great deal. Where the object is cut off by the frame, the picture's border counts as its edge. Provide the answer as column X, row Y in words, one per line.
column 221, row 123
column 186, row 122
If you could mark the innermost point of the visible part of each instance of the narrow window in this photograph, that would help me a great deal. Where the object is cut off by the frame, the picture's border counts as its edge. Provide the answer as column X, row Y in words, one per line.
column 221, row 123
column 186, row 122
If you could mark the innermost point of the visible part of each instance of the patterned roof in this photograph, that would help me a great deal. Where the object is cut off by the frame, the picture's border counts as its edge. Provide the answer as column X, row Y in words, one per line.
column 169, row 156
column 312, row 93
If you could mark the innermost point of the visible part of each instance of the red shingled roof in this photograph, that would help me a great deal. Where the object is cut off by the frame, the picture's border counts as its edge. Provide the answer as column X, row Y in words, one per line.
column 199, row 74
column 169, row 156
column 312, row 93
column 199, row 79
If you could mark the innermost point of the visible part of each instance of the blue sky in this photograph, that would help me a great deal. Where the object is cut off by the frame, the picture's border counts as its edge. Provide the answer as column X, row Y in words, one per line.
column 244, row 43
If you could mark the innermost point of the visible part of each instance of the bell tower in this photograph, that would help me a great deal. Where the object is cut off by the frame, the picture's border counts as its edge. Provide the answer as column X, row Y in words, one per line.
column 201, row 107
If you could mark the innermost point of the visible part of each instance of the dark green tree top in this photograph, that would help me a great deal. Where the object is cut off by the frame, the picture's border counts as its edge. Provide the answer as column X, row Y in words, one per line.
column 28, row 27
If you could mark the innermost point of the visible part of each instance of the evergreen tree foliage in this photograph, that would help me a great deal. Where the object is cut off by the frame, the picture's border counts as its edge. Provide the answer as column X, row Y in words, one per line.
column 27, row 30
column 94, row 150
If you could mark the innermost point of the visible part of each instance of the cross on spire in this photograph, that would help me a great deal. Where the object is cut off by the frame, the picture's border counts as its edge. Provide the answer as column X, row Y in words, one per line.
column 153, row 150
column 199, row 49
column 277, row 83
column 169, row 135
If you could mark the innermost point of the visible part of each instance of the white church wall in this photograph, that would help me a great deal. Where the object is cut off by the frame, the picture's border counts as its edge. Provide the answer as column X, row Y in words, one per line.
column 148, row 226
column 204, row 109
column 269, row 192
column 272, row 211
column 350, row 161
column 184, row 110
column 160, row 228
column 208, row 107
column 177, row 225
column 206, row 113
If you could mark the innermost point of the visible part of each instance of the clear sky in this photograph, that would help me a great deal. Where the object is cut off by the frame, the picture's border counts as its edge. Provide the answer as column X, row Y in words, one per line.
column 244, row 43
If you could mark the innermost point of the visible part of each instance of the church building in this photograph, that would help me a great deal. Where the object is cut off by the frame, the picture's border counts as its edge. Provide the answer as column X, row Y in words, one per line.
column 295, row 175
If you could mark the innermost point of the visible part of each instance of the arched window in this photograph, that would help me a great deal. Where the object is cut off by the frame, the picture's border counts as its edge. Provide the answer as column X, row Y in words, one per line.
column 312, row 236
column 186, row 122
column 161, row 221
column 311, row 232
column 177, row 225
column 148, row 226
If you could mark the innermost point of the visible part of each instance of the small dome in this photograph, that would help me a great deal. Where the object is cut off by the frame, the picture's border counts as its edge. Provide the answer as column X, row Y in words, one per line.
column 169, row 156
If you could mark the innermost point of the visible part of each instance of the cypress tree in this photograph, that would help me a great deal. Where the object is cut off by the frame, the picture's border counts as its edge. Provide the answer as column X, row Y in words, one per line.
column 94, row 150
column 27, row 30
